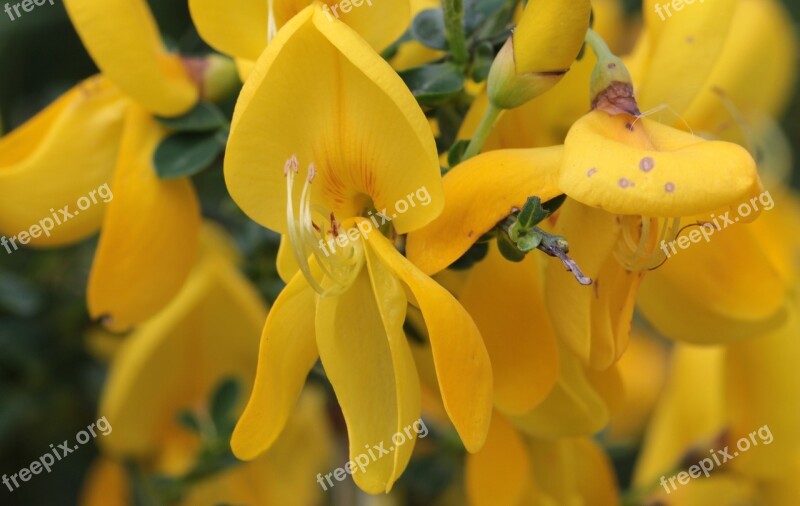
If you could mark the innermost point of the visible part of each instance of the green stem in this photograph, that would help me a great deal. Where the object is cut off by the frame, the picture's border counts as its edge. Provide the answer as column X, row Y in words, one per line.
column 598, row 45
column 454, row 30
column 484, row 129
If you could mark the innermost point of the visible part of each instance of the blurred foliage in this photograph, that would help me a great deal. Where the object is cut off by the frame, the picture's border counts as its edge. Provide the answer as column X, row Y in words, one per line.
column 49, row 384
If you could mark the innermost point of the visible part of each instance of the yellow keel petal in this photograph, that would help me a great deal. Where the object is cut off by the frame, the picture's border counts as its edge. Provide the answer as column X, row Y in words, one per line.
column 150, row 233
column 462, row 363
column 59, row 156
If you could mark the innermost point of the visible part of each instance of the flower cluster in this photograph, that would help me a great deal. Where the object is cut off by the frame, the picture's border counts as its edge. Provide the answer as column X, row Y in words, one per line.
column 531, row 164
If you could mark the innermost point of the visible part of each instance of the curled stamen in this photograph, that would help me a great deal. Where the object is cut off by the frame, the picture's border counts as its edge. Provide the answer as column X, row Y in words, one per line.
column 639, row 245
column 309, row 240
column 296, row 226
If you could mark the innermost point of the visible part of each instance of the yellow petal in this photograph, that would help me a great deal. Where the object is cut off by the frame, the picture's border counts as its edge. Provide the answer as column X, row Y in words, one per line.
column 498, row 473
column 240, row 31
column 462, row 364
column 150, row 233
column 549, row 35
column 281, row 476
column 174, row 360
column 573, row 408
column 382, row 153
column 106, row 484
column 650, row 169
column 597, row 326
column 286, row 263
column 505, row 300
column 722, row 489
column 695, row 392
column 572, row 471
column 244, row 68
column 643, row 371
column 683, row 49
column 369, row 364
column 763, row 381
column 59, row 156
column 123, row 39
column 379, row 22
column 287, row 353
column 243, row 32
column 777, row 230
column 693, row 297
column 753, row 83
column 481, row 192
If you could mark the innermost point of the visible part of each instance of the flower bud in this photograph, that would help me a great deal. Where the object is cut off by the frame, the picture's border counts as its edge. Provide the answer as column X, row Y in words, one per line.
column 507, row 89
column 539, row 52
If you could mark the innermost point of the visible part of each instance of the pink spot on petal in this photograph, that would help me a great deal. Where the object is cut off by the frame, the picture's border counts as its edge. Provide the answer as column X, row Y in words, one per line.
column 669, row 187
column 647, row 164
column 624, row 183
column 591, row 172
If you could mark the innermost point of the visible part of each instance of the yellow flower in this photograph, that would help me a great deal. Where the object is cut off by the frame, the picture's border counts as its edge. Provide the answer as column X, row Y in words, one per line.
column 244, row 31
column 172, row 363
column 123, row 40
column 540, row 458
column 307, row 98
column 745, row 391
column 515, row 470
column 102, row 133
column 741, row 92
column 506, row 301
column 278, row 478
column 629, row 180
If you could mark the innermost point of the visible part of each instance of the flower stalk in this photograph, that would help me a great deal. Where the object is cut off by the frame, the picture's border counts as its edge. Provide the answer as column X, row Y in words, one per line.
column 454, row 30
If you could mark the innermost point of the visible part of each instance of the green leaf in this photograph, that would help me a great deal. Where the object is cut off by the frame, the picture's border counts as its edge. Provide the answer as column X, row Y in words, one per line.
column 482, row 61
column 223, row 401
column 456, row 153
column 428, row 28
column 434, row 84
column 189, row 420
column 554, row 204
column 474, row 254
column 477, row 12
column 187, row 153
column 508, row 248
column 203, row 118
column 529, row 242
column 531, row 214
